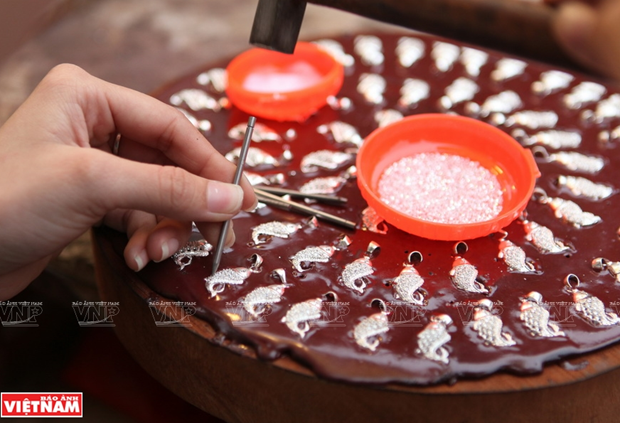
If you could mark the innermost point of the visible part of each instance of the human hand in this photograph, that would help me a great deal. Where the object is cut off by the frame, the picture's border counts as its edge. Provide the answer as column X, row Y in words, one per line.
column 58, row 178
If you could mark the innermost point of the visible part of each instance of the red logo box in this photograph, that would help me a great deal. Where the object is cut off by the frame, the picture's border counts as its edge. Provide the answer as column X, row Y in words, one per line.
column 41, row 404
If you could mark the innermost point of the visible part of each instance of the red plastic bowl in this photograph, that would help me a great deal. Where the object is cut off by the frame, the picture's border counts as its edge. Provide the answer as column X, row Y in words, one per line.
column 283, row 87
column 513, row 166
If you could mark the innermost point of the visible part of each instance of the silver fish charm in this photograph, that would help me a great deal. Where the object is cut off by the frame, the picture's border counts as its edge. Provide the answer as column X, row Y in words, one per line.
column 409, row 50
column 274, row 228
column 387, row 117
column 613, row 267
column 570, row 212
column 370, row 49
column 445, row 55
column 202, row 124
column 584, row 187
column 260, row 133
column 433, row 337
column 195, row 99
column 605, row 109
column 461, row 89
column 320, row 254
column 371, row 327
column 355, row 273
column 324, row 159
column 342, row 132
column 413, row 91
column 216, row 283
column 543, row 238
column 335, row 49
column 407, row 284
column 489, row 326
column 514, row 257
column 323, row 185
column 578, row 162
column 536, row 318
column 256, row 157
column 256, row 301
column 551, row 138
column 507, row 69
column 216, row 77
column 371, row 221
column 533, row 120
column 463, row 275
column 199, row 248
column 256, row 179
column 372, row 86
column 584, row 93
column 552, row 81
column 592, row 309
column 297, row 318
column 473, row 59
column 504, row 102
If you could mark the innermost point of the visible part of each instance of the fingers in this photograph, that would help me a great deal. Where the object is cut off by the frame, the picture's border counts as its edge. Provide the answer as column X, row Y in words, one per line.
column 211, row 232
column 167, row 238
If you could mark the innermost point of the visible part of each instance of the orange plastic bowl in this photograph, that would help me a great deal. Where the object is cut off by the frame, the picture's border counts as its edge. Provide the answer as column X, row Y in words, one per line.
column 283, row 87
column 513, row 166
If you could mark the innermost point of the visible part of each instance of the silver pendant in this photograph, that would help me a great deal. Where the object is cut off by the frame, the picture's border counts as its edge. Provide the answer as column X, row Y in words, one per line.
column 551, row 82
column 335, row 49
column 324, row 159
column 256, row 301
column 319, row 254
column 514, row 257
column 489, row 326
column 508, row 68
column 413, row 91
column 473, row 59
column 371, row 327
column 409, row 50
column 342, row 103
column 216, row 283
column 202, row 124
column 407, row 284
column 568, row 211
column 463, row 275
column 256, row 157
column 589, row 307
column 613, row 267
column 543, row 238
column 341, row 132
column 217, row 77
column 256, row 179
column 461, row 89
column 370, row 49
column 583, row 94
column 577, row 162
column 372, row 86
column 371, row 221
column 551, row 138
column 532, row 119
column 297, row 318
column 536, row 318
column 433, row 337
column 196, row 100
column 584, row 187
column 260, row 133
column 274, row 228
column 605, row 109
column 323, row 185
column 504, row 102
column 355, row 273
column 387, row 117
column 445, row 55
column 199, row 248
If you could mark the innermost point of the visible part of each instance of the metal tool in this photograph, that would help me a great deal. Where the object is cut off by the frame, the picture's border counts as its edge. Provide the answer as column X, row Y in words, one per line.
column 321, row 198
column 217, row 255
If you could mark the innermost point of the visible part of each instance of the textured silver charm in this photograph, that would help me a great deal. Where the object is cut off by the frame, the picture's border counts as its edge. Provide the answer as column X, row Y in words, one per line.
column 552, row 81
column 508, row 68
column 489, row 326
column 570, row 212
column 297, row 318
column 260, row 133
column 256, row 179
column 536, row 318
column 195, row 99
column 551, row 138
column 202, row 124
column 370, row 49
column 514, row 257
column 341, row 132
column 407, row 284
column 583, row 94
column 543, row 238
column 578, row 162
column 354, row 274
column 463, row 275
column 216, row 283
column 256, row 301
column 320, row 254
column 324, row 159
column 461, row 89
column 216, row 77
column 445, row 55
column 256, row 157
column 584, row 187
column 433, row 337
column 605, row 109
column 274, row 228
column 371, row 221
column 199, row 248
column 371, row 327
column 504, row 102
column 323, row 185
column 613, row 267
column 335, row 49
column 409, row 50
column 372, row 86
column 533, row 120
column 413, row 91
column 473, row 59
column 387, row 117
column 589, row 307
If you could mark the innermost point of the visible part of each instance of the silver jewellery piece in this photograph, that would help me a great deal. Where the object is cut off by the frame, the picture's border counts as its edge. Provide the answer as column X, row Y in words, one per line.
column 551, row 81
column 504, row 102
column 195, row 99
column 256, row 157
column 217, row 77
column 387, row 117
column 473, row 59
column 261, row 133
column 413, row 91
column 409, row 50
column 256, row 302
column 323, row 185
column 342, row 103
column 297, row 318
column 584, row 187
column 349, row 173
column 372, row 86
column 407, row 284
column 433, row 337
column 589, row 307
column 320, row 254
column 612, row 267
column 373, row 249
column 489, row 326
column 543, row 239
column 605, row 109
column 256, row 179
column 463, row 275
column 551, row 138
column 532, row 120
column 202, row 124
column 444, row 55
column 572, row 160
column 341, row 132
column 335, row 49
column 370, row 49
column 290, row 134
column 271, row 229
column 567, row 210
column 508, row 68
column 324, row 159
column 583, row 94
column 199, row 248
column 354, row 274
column 371, row 327
column 217, row 282
column 461, row 89
column 371, row 221
column 536, row 318
column 117, row 144
column 343, row 242
column 514, row 257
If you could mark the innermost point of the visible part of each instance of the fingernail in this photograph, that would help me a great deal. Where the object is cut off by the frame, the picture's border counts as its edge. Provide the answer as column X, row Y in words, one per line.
column 168, row 248
column 230, row 237
column 141, row 259
column 224, row 198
